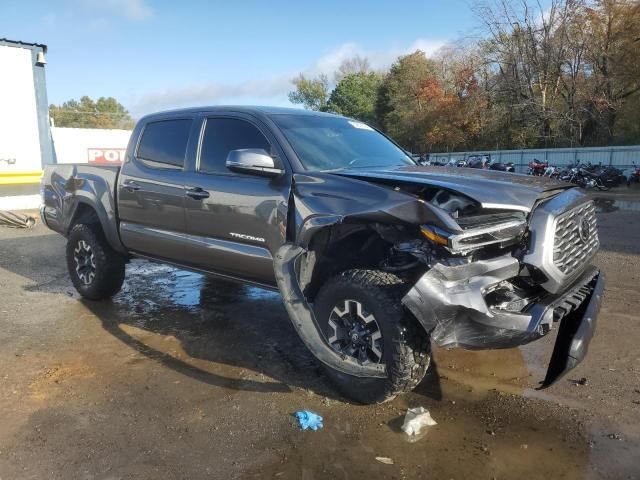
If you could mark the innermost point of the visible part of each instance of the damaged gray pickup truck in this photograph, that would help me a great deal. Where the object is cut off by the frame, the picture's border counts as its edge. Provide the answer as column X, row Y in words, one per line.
column 374, row 256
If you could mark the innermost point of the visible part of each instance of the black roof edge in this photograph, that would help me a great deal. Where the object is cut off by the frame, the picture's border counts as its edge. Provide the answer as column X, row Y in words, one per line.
column 26, row 44
column 247, row 109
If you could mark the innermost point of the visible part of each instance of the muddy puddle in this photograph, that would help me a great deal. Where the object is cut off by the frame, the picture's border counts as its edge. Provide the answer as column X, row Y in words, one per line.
column 495, row 436
column 492, row 422
column 609, row 205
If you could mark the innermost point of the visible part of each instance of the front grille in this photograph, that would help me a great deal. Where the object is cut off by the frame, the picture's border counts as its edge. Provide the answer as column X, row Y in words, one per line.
column 576, row 238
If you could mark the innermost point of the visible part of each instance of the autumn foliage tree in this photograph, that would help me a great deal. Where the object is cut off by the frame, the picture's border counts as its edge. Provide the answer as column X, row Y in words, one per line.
column 566, row 74
column 403, row 106
column 613, row 55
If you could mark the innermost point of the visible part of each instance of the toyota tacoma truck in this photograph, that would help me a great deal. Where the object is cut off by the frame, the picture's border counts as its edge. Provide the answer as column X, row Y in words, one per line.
column 375, row 256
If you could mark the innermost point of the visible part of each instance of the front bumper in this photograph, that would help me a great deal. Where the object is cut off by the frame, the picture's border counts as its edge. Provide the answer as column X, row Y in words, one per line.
column 575, row 334
column 449, row 303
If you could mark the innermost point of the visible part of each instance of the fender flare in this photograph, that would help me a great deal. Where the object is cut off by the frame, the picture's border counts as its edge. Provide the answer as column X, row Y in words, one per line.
column 106, row 217
column 286, row 263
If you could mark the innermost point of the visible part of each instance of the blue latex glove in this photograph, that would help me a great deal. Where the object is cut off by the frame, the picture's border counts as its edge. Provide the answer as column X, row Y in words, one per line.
column 308, row 419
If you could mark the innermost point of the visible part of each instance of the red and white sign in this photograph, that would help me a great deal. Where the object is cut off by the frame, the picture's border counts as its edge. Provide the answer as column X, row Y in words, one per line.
column 106, row 156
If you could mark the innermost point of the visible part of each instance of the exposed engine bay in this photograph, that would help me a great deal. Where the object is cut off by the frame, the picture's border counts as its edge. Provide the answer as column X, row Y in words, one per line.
column 456, row 204
column 486, row 234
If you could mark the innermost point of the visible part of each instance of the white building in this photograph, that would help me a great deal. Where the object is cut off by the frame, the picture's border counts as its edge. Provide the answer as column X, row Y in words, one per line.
column 27, row 142
column 25, row 138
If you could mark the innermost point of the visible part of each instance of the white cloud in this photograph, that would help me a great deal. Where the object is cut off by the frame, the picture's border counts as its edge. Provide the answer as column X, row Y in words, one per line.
column 379, row 59
column 135, row 10
column 329, row 62
column 427, row 46
column 132, row 9
column 272, row 90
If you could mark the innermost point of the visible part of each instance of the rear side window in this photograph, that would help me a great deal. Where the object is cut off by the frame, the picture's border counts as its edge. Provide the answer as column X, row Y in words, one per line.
column 222, row 135
column 164, row 143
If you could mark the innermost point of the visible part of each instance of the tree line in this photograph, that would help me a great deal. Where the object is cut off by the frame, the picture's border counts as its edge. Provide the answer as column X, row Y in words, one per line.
column 566, row 75
column 105, row 112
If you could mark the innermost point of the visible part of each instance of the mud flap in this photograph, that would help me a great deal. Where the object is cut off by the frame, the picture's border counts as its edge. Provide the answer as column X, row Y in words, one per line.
column 285, row 264
column 574, row 335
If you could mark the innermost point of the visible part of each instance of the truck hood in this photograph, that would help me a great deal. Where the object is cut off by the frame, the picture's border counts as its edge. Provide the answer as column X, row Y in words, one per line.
column 492, row 189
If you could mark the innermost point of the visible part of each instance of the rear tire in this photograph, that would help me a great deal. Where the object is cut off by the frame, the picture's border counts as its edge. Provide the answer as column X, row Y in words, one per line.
column 402, row 345
column 96, row 269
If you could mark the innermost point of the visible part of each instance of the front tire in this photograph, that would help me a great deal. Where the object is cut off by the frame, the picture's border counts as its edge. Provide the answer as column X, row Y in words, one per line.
column 96, row 269
column 362, row 316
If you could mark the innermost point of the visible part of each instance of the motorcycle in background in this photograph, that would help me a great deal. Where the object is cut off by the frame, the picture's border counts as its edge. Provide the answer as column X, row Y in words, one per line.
column 537, row 168
column 502, row 167
column 634, row 176
column 584, row 177
column 608, row 175
column 478, row 161
column 454, row 162
column 487, row 163
column 567, row 174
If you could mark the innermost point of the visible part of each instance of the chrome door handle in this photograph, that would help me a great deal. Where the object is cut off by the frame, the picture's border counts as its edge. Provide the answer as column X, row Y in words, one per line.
column 197, row 193
column 131, row 185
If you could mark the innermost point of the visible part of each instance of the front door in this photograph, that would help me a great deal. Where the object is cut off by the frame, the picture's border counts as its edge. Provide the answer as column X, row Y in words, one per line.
column 237, row 221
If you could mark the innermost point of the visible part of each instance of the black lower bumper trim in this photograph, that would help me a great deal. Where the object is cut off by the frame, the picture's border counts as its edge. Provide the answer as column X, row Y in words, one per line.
column 574, row 335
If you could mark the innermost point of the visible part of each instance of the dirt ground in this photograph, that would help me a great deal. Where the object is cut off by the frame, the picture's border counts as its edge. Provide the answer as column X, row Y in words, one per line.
column 181, row 376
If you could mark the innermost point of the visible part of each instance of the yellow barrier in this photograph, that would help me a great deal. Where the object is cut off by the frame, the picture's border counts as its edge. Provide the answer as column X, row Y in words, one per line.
column 20, row 178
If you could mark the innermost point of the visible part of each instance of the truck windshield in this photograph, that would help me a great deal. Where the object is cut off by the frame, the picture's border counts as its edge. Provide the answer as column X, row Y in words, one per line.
column 331, row 143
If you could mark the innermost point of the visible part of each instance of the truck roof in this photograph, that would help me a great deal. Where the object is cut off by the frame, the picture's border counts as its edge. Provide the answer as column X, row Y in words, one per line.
column 249, row 109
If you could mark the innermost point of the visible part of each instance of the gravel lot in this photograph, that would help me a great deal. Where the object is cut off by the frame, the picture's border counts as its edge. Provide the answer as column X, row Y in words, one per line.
column 181, row 376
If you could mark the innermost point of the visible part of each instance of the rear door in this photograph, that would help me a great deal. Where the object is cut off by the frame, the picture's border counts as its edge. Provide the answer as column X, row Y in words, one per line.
column 238, row 221
column 151, row 195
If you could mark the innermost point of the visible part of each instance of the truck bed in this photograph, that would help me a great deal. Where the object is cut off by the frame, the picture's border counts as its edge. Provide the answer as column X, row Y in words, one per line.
column 66, row 187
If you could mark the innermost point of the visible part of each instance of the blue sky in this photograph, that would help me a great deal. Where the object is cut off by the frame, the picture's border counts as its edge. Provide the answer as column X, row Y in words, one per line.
column 154, row 54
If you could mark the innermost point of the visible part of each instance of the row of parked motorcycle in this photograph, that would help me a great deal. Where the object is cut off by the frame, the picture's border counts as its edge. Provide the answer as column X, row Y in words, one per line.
column 473, row 161
column 585, row 175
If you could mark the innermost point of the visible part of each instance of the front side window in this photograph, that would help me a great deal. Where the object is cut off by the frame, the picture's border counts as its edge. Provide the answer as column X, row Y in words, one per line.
column 331, row 143
column 164, row 143
column 222, row 135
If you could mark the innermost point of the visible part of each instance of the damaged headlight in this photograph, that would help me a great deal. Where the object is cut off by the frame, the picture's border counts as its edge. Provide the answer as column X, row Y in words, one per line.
column 479, row 231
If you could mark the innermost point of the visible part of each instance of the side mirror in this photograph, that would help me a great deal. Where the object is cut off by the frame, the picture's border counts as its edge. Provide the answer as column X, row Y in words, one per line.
column 253, row 161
